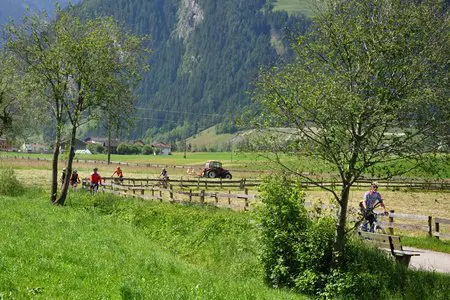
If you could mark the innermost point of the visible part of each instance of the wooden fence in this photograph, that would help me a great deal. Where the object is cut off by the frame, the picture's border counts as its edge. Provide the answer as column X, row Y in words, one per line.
column 230, row 199
column 244, row 183
column 198, row 183
column 395, row 183
column 155, row 189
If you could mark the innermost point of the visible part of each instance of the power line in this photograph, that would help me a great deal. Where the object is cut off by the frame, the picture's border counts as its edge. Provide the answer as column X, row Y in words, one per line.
column 176, row 112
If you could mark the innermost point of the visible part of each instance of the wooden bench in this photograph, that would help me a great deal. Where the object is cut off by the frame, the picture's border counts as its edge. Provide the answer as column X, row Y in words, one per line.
column 390, row 243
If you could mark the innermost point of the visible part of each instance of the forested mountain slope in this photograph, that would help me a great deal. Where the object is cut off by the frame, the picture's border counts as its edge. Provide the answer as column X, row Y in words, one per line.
column 205, row 55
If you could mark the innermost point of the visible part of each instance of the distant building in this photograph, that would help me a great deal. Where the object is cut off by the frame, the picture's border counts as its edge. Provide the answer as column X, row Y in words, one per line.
column 5, row 145
column 164, row 149
column 104, row 142
column 79, row 145
column 34, row 148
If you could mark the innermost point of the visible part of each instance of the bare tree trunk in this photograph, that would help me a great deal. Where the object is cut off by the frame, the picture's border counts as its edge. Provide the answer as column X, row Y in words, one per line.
column 54, row 188
column 65, row 187
column 340, row 239
column 109, row 142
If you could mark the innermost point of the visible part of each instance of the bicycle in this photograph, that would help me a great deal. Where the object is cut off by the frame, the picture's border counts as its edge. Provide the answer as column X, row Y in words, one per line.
column 164, row 182
column 370, row 220
column 93, row 188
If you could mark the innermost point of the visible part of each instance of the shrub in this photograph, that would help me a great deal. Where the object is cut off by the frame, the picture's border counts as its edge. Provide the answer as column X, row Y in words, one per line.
column 123, row 148
column 135, row 149
column 9, row 184
column 314, row 255
column 283, row 222
column 96, row 148
column 147, row 150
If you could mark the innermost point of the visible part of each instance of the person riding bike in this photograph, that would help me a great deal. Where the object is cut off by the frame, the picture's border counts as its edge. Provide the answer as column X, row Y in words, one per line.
column 372, row 199
column 164, row 174
column 119, row 173
column 95, row 180
column 74, row 179
column 165, row 178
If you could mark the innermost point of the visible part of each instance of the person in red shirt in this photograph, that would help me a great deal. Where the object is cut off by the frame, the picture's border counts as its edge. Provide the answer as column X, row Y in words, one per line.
column 95, row 180
column 119, row 173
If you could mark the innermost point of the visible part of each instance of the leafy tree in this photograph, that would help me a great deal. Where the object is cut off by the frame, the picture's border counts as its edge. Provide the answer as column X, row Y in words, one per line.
column 368, row 86
column 17, row 114
column 80, row 66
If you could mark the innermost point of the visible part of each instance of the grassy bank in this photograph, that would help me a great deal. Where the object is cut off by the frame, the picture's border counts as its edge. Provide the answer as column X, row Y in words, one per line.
column 102, row 247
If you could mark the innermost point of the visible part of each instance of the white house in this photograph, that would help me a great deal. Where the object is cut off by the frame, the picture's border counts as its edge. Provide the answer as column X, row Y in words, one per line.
column 164, row 149
column 35, row 148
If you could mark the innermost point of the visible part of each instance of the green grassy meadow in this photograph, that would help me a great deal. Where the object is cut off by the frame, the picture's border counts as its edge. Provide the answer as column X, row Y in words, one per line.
column 105, row 248
column 304, row 7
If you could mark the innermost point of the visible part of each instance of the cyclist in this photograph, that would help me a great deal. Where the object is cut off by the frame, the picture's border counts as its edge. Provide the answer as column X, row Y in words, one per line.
column 74, row 179
column 164, row 174
column 95, row 180
column 119, row 173
column 165, row 177
column 370, row 200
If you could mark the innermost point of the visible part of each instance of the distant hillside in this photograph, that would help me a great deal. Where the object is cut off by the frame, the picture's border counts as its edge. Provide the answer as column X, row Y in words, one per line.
column 209, row 140
column 206, row 54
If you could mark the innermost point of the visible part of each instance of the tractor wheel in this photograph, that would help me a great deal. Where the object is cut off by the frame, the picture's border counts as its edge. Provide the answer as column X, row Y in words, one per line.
column 211, row 174
column 228, row 176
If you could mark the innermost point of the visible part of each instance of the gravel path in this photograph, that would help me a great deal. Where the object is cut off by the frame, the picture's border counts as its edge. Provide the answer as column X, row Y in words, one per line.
column 430, row 260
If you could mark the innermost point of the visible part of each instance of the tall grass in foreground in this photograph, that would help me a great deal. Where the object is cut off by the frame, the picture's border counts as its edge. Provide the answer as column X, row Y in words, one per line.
column 100, row 247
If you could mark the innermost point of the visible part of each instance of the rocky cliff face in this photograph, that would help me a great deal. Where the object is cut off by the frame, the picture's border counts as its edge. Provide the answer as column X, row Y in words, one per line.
column 190, row 15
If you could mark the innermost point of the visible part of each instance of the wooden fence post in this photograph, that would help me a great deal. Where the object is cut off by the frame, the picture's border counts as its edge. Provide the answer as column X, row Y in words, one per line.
column 436, row 224
column 391, row 221
column 190, row 195
column 430, row 226
column 229, row 199
column 202, row 196
column 171, row 193
column 246, row 199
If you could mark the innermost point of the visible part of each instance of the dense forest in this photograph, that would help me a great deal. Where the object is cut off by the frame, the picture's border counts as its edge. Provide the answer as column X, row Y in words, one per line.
column 205, row 56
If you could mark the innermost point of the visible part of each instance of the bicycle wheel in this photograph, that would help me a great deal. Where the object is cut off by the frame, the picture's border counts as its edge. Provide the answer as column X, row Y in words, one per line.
column 379, row 230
